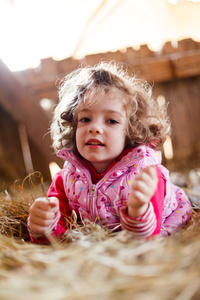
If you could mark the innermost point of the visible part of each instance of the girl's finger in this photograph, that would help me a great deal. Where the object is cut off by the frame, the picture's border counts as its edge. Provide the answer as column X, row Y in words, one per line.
column 43, row 214
column 46, row 204
column 36, row 221
column 54, row 203
column 151, row 171
column 38, row 229
column 140, row 185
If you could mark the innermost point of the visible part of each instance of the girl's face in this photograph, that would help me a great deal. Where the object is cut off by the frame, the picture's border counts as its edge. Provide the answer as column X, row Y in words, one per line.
column 101, row 130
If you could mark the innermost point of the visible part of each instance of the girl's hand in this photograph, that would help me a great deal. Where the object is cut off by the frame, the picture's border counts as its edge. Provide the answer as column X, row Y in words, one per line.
column 141, row 191
column 42, row 214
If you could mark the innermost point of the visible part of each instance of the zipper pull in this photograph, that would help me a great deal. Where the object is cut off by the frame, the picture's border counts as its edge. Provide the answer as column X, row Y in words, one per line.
column 93, row 187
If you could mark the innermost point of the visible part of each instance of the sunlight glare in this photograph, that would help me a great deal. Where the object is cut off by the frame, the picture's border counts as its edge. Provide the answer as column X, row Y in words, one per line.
column 54, row 169
column 168, row 148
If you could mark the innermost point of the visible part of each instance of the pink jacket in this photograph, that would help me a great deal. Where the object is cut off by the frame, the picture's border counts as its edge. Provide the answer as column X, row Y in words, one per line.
column 102, row 202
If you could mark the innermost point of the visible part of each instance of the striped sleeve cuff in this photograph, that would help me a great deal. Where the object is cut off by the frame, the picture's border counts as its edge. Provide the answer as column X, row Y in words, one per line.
column 140, row 227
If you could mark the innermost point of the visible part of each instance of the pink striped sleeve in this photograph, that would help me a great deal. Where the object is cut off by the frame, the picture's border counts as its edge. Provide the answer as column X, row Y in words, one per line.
column 140, row 227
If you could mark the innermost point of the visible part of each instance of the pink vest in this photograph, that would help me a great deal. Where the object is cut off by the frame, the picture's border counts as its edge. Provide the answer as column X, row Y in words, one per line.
column 101, row 202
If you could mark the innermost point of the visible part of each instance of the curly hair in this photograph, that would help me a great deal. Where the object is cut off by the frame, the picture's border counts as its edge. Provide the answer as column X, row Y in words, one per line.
column 148, row 122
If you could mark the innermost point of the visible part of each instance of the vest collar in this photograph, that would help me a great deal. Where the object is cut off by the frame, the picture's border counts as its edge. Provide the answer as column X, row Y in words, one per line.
column 97, row 176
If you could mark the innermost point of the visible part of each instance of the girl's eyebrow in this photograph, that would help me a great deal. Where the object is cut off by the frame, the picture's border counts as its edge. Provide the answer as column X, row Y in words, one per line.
column 84, row 110
column 114, row 112
column 105, row 110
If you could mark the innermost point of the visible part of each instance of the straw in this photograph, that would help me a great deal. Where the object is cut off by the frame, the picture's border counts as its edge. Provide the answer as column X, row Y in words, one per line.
column 93, row 263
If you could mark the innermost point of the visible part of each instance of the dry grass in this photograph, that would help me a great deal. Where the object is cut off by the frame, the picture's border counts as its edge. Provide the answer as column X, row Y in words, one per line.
column 92, row 264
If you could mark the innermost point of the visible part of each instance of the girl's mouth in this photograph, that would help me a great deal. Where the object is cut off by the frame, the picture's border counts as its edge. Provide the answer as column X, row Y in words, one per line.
column 94, row 142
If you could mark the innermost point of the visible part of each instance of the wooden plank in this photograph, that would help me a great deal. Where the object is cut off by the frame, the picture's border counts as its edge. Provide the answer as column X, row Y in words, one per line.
column 48, row 66
column 94, row 59
column 169, row 48
column 186, row 64
column 187, row 45
column 43, row 87
column 26, row 110
column 67, row 65
column 153, row 69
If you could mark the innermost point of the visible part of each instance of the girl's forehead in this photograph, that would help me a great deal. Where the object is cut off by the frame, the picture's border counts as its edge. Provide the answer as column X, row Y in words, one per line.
column 96, row 96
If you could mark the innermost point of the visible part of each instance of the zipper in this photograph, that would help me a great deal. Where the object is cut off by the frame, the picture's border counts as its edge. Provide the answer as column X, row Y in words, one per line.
column 92, row 204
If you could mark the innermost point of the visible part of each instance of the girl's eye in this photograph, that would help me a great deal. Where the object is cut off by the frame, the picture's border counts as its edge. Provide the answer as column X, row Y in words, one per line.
column 84, row 120
column 112, row 121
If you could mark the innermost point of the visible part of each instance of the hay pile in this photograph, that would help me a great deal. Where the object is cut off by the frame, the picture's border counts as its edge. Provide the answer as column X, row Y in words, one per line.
column 96, row 265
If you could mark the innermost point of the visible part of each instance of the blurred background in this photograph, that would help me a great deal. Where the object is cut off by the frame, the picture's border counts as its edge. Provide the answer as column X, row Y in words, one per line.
column 41, row 41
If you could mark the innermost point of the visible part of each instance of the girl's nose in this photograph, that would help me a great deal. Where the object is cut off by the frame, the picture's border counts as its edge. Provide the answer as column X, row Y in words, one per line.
column 95, row 128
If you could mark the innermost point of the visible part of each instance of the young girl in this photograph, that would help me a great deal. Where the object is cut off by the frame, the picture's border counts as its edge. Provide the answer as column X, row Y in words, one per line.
column 106, row 126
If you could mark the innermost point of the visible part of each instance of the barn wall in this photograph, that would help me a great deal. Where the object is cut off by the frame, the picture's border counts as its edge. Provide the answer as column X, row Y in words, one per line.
column 11, row 159
column 183, row 96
